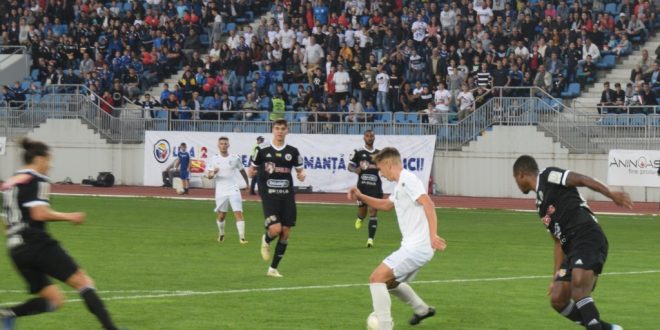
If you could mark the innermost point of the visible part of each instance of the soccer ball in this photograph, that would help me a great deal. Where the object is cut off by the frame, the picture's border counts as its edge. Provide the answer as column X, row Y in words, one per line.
column 372, row 322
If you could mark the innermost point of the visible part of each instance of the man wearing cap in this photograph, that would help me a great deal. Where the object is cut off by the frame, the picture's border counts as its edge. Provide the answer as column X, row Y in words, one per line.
column 255, row 150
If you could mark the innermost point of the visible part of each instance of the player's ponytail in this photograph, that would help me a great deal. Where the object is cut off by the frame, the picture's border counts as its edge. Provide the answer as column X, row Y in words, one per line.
column 33, row 149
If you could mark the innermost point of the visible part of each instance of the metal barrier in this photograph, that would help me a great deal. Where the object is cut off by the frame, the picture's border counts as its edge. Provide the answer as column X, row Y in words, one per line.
column 579, row 132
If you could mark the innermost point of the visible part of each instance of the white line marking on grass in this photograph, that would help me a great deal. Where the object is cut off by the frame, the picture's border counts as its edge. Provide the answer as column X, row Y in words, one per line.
column 156, row 294
column 332, row 203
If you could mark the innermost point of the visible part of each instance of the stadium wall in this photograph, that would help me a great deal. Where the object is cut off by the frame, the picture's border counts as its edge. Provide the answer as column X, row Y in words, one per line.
column 482, row 169
column 80, row 152
column 13, row 68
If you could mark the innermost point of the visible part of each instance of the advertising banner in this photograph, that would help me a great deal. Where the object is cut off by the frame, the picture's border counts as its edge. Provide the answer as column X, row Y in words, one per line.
column 325, row 157
column 636, row 168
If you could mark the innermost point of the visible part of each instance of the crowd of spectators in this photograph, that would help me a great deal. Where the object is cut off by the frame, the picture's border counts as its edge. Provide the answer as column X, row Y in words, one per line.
column 640, row 95
column 338, row 58
column 117, row 48
column 344, row 57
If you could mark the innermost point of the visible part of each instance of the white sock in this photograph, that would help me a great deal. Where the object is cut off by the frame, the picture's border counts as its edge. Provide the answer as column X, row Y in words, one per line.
column 406, row 294
column 221, row 226
column 382, row 303
column 240, row 225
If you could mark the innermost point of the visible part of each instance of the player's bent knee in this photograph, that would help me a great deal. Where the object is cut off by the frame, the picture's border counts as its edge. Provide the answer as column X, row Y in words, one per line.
column 80, row 280
column 54, row 296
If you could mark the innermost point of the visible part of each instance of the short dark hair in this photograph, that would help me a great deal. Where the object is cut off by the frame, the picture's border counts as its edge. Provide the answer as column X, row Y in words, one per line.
column 281, row 122
column 223, row 138
column 525, row 164
column 33, row 149
column 387, row 153
column 368, row 131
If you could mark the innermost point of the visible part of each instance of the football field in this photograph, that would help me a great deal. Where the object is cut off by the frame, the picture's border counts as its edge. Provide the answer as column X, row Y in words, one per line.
column 157, row 264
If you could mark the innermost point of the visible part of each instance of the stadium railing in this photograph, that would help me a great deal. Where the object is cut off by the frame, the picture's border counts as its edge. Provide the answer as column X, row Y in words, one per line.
column 578, row 132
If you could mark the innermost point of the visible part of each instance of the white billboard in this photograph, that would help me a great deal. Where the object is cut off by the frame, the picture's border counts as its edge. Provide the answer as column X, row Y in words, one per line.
column 637, row 168
column 325, row 156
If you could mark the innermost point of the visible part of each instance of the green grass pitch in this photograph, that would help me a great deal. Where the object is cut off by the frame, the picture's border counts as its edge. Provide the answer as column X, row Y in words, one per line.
column 157, row 264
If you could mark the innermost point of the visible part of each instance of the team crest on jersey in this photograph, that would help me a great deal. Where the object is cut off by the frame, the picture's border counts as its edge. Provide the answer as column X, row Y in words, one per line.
column 288, row 157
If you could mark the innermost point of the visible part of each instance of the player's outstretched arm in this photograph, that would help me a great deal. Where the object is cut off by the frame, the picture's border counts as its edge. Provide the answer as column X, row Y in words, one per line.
column 437, row 242
column 45, row 213
column 620, row 198
column 383, row 204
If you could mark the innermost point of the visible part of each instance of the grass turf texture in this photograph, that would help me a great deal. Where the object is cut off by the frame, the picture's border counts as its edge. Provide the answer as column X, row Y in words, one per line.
column 148, row 247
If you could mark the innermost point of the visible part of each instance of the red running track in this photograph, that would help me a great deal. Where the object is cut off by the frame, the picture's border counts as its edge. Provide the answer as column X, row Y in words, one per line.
column 441, row 201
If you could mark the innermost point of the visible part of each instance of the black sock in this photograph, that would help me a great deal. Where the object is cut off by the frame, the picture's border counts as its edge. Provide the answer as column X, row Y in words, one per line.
column 32, row 307
column 572, row 313
column 280, row 248
column 589, row 312
column 96, row 307
column 373, row 224
column 267, row 238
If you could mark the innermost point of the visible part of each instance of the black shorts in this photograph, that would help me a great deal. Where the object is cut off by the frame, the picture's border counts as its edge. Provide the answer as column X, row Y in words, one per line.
column 370, row 193
column 282, row 211
column 37, row 262
column 588, row 251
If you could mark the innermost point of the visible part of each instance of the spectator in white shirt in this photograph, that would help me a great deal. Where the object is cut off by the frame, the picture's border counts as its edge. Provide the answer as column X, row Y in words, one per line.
column 441, row 99
column 313, row 56
column 465, row 101
column 485, row 14
column 342, row 83
column 521, row 51
column 589, row 48
column 447, row 18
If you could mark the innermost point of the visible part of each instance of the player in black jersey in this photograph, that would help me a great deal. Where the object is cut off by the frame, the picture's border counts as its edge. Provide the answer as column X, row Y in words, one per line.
column 369, row 182
column 275, row 161
column 36, row 255
column 580, row 244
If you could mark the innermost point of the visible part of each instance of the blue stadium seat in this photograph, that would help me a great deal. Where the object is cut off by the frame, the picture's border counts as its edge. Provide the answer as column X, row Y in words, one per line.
column 278, row 76
column 413, row 117
column 289, row 116
column 573, row 90
column 230, row 27
column 264, row 103
column 611, row 9
column 204, row 39
column 400, row 117
column 385, row 117
column 293, row 89
column 379, row 130
column 607, row 62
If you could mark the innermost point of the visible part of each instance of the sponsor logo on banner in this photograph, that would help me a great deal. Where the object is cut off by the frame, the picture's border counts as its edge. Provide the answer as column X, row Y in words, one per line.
column 633, row 168
column 324, row 157
column 162, row 150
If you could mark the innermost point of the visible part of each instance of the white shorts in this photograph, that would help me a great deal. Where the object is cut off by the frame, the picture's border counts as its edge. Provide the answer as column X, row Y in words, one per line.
column 405, row 264
column 222, row 203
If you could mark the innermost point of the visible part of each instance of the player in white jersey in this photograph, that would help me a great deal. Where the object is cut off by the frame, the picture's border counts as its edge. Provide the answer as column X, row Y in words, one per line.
column 223, row 168
column 415, row 212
